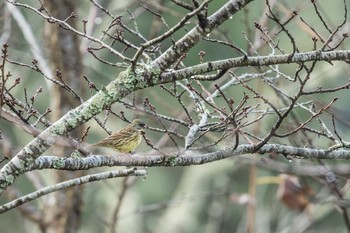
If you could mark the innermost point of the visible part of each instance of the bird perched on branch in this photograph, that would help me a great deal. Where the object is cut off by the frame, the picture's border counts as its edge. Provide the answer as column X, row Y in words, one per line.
column 126, row 139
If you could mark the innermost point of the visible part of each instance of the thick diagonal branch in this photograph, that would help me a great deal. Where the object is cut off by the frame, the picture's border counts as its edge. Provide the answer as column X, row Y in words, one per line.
column 183, row 45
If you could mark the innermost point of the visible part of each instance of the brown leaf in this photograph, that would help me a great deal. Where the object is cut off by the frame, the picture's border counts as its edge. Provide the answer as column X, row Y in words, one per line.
column 294, row 195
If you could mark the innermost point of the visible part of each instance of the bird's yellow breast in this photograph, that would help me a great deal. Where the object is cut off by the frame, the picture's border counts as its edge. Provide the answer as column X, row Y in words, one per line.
column 129, row 145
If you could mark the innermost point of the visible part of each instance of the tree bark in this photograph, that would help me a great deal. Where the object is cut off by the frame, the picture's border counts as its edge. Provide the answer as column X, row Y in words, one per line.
column 63, row 214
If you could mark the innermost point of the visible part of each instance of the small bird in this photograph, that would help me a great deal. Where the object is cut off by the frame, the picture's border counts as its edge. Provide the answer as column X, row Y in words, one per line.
column 126, row 139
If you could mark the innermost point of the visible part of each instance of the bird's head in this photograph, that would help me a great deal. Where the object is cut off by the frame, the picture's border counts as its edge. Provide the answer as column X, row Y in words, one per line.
column 138, row 125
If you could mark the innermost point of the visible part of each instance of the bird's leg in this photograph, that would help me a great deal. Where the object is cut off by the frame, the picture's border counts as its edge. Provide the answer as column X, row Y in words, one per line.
column 132, row 152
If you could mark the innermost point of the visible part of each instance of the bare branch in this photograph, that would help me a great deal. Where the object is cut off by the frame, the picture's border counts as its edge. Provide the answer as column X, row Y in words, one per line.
column 70, row 183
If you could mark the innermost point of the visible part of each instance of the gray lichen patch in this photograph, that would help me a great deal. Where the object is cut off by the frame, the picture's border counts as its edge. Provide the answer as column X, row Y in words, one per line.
column 59, row 163
column 145, row 75
column 10, row 178
column 73, row 119
column 58, row 129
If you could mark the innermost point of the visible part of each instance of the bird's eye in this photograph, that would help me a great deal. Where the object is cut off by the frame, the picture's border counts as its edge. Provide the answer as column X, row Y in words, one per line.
column 142, row 125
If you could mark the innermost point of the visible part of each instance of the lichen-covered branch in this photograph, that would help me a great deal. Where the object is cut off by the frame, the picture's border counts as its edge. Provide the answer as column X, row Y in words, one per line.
column 258, row 61
column 189, row 158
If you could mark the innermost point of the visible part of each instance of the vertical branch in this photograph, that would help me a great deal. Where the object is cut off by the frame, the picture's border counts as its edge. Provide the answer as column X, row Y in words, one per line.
column 126, row 183
column 251, row 206
column 2, row 73
column 66, row 61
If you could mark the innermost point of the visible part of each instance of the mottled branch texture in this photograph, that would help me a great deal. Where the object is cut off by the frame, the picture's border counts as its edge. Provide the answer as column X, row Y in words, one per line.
column 187, row 159
column 257, row 61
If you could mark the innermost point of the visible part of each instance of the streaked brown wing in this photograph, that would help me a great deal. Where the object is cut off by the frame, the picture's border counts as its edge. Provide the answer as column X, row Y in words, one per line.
column 123, row 137
column 115, row 139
